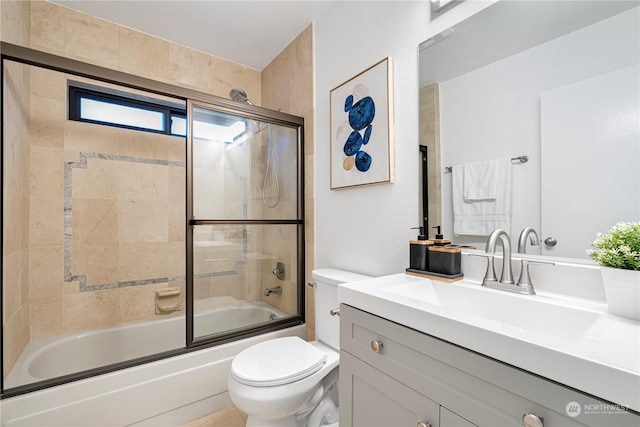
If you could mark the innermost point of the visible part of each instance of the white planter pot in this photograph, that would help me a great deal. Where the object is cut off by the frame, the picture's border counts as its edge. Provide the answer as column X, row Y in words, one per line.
column 622, row 289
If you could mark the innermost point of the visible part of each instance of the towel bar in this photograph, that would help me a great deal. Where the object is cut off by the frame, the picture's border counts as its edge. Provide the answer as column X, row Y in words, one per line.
column 522, row 159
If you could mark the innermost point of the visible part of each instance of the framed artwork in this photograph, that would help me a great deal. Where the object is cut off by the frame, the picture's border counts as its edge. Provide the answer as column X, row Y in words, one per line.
column 361, row 129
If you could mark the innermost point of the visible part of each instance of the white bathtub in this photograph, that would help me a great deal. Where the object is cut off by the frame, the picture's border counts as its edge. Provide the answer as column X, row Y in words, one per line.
column 166, row 392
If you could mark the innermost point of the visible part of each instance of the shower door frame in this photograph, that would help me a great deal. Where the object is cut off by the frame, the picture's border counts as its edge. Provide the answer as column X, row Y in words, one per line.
column 61, row 64
column 250, row 330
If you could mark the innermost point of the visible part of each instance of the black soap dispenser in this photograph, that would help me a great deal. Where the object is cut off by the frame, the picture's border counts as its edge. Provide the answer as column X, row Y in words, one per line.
column 419, row 251
column 440, row 240
column 445, row 258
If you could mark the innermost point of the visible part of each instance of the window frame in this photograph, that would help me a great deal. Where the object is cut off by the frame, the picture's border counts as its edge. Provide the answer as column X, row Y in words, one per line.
column 77, row 93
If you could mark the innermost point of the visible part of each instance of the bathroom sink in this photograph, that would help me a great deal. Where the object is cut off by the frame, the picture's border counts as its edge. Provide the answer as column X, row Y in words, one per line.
column 523, row 314
column 553, row 335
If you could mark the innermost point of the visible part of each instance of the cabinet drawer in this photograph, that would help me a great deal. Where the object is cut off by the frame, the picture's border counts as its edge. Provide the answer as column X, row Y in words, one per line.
column 480, row 389
column 370, row 398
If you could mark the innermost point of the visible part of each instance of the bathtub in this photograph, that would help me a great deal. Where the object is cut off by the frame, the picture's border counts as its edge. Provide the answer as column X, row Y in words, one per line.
column 170, row 391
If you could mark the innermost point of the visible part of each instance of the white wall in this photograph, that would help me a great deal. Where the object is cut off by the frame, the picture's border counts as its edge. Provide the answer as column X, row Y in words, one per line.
column 593, row 125
column 367, row 229
column 499, row 106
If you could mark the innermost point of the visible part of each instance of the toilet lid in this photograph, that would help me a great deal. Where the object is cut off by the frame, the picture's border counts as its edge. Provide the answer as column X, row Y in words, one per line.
column 276, row 362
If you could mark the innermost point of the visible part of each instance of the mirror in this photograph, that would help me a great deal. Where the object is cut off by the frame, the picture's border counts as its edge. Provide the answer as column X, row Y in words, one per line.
column 555, row 81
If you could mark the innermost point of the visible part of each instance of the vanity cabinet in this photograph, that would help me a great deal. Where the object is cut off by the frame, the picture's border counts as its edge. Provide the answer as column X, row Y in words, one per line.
column 391, row 375
column 379, row 400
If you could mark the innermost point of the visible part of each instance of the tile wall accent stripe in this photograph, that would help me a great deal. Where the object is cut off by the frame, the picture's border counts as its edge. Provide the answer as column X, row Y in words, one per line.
column 68, row 228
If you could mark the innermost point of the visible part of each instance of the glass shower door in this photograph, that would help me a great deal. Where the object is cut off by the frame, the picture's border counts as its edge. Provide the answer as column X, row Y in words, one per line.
column 114, row 228
column 245, row 239
column 94, row 218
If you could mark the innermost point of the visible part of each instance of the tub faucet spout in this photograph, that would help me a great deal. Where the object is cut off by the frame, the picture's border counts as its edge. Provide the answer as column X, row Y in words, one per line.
column 277, row 290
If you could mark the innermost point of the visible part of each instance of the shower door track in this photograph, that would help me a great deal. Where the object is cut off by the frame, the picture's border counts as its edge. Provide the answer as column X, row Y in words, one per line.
column 193, row 222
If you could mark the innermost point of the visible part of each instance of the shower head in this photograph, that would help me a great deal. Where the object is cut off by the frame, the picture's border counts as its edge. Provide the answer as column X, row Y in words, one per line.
column 239, row 95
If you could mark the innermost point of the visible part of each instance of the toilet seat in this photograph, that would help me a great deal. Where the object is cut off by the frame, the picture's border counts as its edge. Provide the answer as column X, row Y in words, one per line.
column 277, row 362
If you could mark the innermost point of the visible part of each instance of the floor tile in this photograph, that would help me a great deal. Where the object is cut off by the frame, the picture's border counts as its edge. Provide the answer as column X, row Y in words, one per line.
column 227, row 417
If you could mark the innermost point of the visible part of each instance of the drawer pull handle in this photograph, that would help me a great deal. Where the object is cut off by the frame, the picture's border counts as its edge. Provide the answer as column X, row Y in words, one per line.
column 376, row 346
column 532, row 420
column 335, row 312
column 424, row 424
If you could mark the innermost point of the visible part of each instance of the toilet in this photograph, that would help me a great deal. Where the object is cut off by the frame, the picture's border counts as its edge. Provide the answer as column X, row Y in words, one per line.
column 289, row 382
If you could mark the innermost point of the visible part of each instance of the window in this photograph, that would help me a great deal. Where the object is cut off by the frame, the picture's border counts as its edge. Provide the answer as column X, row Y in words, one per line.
column 91, row 106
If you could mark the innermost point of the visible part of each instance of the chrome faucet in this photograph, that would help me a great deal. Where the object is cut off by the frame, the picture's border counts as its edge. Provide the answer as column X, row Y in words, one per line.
column 524, row 285
column 522, row 240
column 277, row 290
column 490, row 278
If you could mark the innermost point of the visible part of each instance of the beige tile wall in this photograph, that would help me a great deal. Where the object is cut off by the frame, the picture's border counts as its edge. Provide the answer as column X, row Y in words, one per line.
column 58, row 30
column 17, row 207
column 287, row 85
column 55, row 29
column 277, row 243
column 16, row 22
column 121, row 230
column 430, row 136
column 15, row 28
column 47, row 115
column 219, row 191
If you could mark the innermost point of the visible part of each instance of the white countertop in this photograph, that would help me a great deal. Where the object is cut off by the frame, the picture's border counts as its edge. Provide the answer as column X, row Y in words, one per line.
column 569, row 340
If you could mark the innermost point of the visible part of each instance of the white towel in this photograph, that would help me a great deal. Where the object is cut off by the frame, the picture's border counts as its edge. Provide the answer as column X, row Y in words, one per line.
column 480, row 180
column 481, row 217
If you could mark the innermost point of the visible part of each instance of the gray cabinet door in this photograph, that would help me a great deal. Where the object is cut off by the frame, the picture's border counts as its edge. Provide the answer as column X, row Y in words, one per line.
column 369, row 398
column 477, row 388
column 449, row 419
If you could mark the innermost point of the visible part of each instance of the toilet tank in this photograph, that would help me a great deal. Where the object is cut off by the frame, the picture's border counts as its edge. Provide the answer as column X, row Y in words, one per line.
column 326, row 282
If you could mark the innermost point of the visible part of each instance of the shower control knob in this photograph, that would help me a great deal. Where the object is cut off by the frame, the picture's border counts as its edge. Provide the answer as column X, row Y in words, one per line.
column 376, row 346
column 279, row 271
column 550, row 241
column 424, row 424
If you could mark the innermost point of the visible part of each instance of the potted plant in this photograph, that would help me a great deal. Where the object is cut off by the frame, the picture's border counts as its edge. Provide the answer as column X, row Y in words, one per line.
column 618, row 253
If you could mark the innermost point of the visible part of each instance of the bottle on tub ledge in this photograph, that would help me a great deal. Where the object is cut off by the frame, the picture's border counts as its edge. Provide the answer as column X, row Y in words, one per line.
column 435, row 259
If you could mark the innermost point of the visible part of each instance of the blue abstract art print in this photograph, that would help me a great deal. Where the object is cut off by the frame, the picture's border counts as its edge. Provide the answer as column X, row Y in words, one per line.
column 361, row 146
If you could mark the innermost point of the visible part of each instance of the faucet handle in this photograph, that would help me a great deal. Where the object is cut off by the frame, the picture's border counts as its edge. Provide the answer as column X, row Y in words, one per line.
column 525, row 279
column 490, row 275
